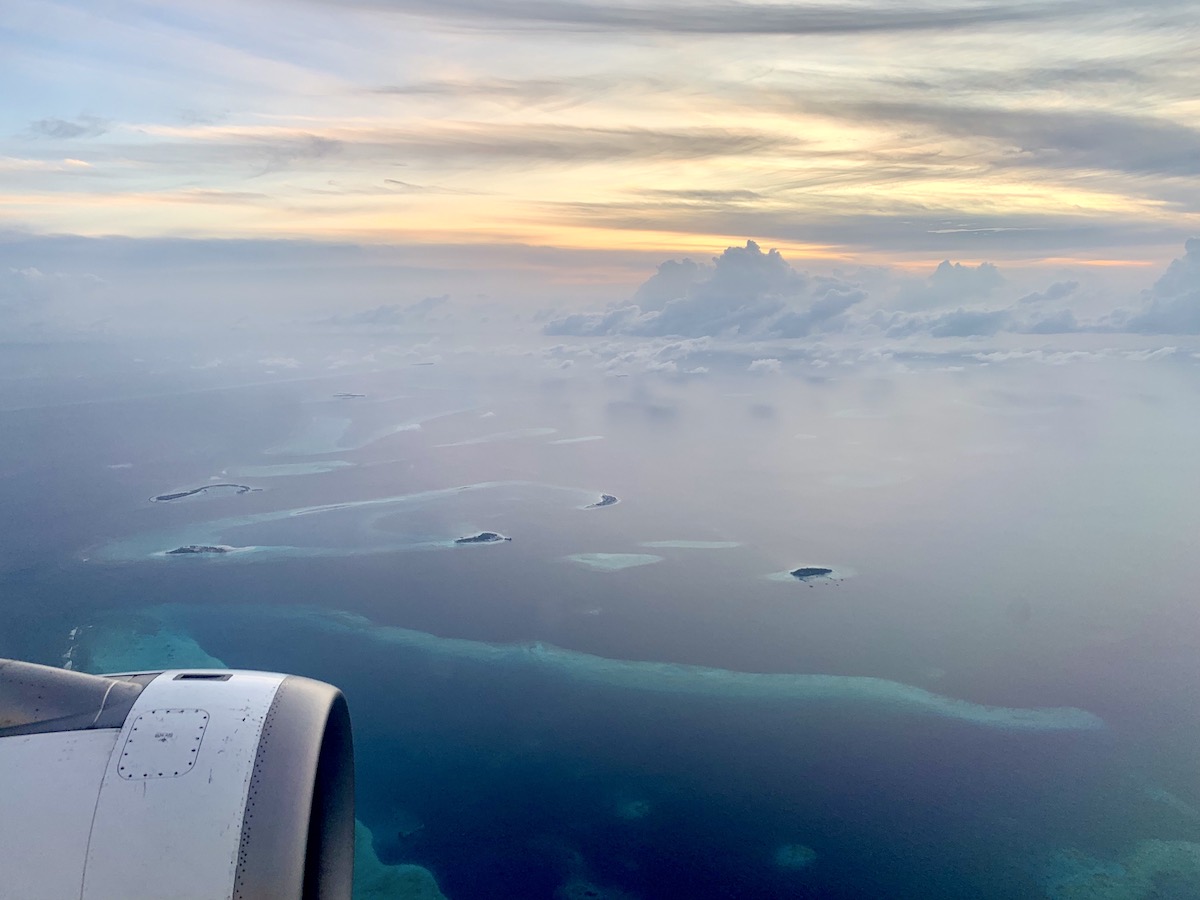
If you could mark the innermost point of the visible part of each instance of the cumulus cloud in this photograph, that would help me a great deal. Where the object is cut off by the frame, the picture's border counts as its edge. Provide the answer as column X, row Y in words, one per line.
column 831, row 298
column 1172, row 306
column 673, row 279
column 744, row 293
column 1046, row 311
column 953, row 283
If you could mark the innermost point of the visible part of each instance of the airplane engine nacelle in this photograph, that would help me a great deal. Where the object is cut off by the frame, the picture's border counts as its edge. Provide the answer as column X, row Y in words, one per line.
column 188, row 784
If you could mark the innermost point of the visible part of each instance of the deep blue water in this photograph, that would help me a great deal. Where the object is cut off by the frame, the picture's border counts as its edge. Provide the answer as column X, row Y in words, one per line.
column 1010, row 542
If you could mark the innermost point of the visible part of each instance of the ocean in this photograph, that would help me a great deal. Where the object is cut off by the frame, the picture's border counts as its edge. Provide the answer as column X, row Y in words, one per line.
column 991, row 694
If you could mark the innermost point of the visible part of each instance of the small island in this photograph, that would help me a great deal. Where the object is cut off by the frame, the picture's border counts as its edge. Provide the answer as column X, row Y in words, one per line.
column 346, row 395
column 605, row 500
column 179, row 495
column 810, row 572
column 813, row 576
column 197, row 548
column 484, row 537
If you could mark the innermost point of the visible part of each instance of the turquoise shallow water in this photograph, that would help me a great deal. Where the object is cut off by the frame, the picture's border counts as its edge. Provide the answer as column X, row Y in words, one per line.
column 556, row 708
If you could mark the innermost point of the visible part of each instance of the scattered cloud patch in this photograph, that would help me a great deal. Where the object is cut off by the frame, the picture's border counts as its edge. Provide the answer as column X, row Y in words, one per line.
column 279, row 362
column 769, row 366
column 68, row 129
column 1149, row 355
column 1060, row 290
column 390, row 315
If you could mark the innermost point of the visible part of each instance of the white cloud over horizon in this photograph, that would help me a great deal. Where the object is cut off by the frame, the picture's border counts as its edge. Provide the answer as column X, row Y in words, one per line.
column 747, row 294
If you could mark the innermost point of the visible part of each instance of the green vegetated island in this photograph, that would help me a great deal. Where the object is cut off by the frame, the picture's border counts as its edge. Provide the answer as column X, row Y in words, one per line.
column 806, row 572
column 484, row 537
column 605, row 500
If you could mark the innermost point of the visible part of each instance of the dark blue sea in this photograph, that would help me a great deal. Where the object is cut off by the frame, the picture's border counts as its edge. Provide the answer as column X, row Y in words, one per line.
column 617, row 703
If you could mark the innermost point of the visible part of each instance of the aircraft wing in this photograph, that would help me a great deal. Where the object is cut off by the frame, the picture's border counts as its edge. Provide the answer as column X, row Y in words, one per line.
column 187, row 784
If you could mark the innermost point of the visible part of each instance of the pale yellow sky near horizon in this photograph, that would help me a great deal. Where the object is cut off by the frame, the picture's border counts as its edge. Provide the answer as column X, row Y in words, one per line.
column 868, row 133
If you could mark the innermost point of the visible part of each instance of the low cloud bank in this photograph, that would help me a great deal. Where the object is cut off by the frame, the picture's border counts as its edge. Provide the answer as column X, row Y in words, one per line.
column 32, row 292
column 391, row 314
column 746, row 293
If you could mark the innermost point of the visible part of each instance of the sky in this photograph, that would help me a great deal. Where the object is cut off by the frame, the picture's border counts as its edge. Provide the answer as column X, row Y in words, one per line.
column 582, row 145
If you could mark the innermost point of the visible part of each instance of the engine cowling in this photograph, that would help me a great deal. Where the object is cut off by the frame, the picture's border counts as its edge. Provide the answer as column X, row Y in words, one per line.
column 186, row 784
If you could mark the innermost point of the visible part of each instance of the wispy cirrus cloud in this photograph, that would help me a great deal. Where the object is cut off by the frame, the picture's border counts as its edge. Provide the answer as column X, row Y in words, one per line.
column 1047, row 138
column 540, row 91
column 755, row 18
column 443, row 143
column 970, row 130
